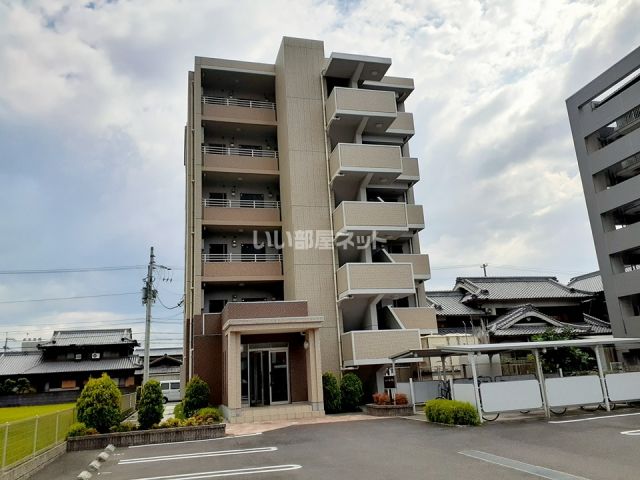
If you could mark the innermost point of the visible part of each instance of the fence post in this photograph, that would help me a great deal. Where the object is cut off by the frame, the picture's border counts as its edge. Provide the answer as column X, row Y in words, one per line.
column 35, row 435
column 57, row 426
column 5, row 445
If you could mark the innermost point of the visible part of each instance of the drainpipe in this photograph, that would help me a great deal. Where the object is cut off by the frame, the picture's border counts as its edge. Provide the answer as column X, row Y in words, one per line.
column 333, row 251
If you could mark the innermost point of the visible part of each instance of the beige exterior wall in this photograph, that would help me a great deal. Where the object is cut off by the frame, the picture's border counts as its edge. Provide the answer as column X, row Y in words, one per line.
column 402, row 123
column 240, row 164
column 420, row 262
column 370, row 214
column 368, row 158
column 372, row 346
column 308, row 274
column 242, row 271
column 415, row 216
column 410, row 169
column 422, row 318
column 357, row 100
column 375, row 277
column 256, row 116
column 241, row 216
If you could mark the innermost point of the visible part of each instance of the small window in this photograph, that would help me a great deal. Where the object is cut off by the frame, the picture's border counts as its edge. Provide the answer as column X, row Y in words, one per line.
column 164, row 385
column 175, row 385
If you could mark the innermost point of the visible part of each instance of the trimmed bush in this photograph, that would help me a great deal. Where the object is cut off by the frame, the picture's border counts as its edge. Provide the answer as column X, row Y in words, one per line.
column 77, row 429
column 178, row 411
column 23, row 386
column 381, row 398
column 331, row 392
column 451, row 412
column 209, row 415
column 171, row 423
column 124, row 427
column 351, row 392
column 196, row 396
column 151, row 405
column 401, row 399
column 99, row 404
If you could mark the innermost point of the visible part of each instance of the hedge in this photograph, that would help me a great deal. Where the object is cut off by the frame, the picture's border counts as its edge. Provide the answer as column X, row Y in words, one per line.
column 331, row 393
column 451, row 412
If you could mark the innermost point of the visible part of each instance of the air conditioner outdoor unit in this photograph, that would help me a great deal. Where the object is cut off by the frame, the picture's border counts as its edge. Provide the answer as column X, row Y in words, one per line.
column 95, row 356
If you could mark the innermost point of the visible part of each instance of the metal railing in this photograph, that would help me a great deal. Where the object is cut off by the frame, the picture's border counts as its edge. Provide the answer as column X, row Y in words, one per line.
column 226, row 203
column 238, row 102
column 24, row 439
column 241, row 257
column 243, row 152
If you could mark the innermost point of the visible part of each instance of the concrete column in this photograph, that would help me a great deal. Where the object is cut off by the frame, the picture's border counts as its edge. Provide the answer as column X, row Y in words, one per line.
column 314, row 371
column 233, row 380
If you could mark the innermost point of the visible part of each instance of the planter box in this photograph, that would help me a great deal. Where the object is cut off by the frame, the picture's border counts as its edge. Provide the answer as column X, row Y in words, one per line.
column 145, row 437
column 388, row 410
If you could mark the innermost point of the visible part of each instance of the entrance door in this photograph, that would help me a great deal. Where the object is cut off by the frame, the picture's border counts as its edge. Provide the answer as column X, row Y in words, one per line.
column 268, row 376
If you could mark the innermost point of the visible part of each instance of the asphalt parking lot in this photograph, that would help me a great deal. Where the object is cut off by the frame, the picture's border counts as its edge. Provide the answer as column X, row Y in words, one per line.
column 590, row 446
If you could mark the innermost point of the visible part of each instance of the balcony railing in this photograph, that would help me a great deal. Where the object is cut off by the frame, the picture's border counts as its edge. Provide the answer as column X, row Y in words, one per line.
column 241, row 257
column 242, row 152
column 238, row 102
column 225, row 203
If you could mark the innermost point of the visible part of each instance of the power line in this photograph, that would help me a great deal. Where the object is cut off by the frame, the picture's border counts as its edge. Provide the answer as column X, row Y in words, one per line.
column 72, row 270
column 70, row 298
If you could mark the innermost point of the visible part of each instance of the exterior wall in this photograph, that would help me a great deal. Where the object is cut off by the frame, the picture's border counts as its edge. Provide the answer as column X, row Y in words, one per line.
column 207, row 359
column 593, row 158
column 308, row 274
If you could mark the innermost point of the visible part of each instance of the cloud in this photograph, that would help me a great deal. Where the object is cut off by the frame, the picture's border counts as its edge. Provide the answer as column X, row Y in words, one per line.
column 93, row 105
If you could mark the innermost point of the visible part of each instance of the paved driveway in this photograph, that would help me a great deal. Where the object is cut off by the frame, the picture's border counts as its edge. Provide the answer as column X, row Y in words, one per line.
column 577, row 448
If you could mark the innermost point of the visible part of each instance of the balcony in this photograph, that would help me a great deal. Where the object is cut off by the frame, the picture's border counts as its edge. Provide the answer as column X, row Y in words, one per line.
column 239, row 110
column 402, row 125
column 374, row 347
column 346, row 108
column 351, row 162
column 239, row 267
column 239, row 160
column 410, row 170
column 371, row 279
column 383, row 218
column 420, row 262
column 268, row 317
column 421, row 318
column 251, row 213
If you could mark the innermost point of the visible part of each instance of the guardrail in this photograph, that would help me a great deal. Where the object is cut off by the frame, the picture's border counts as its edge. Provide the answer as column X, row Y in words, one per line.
column 24, row 439
column 224, row 203
column 241, row 257
column 243, row 152
column 238, row 102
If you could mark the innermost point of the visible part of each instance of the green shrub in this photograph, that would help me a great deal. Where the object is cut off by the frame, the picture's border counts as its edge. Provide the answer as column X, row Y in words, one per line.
column 331, row 393
column 171, row 423
column 178, row 411
column 209, row 415
column 451, row 412
column 8, row 387
column 351, row 392
column 99, row 404
column 124, row 427
column 196, row 396
column 77, row 429
column 151, row 405
column 138, row 395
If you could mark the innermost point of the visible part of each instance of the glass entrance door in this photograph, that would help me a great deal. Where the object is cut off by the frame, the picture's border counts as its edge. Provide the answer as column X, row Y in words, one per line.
column 268, row 376
column 279, row 367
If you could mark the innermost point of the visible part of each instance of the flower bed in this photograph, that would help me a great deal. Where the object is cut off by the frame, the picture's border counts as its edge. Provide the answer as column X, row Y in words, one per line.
column 145, row 437
column 388, row 410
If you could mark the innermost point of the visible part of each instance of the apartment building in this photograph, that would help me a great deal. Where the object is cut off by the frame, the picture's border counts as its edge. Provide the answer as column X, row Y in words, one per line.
column 604, row 117
column 302, row 250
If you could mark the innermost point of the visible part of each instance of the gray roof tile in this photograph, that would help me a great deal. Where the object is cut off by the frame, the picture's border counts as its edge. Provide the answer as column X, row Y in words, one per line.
column 450, row 303
column 33, row 364
column 65, row 338
column 589, row 282
column 516, row 288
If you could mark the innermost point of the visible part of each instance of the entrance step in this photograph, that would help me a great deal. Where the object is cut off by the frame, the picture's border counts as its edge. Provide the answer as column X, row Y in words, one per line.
column 294, row 411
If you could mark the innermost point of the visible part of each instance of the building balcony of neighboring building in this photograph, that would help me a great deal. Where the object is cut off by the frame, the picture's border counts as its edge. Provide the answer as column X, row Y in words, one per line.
column 420, row 262
column 239, row 160
column 410, row 171
column 347, row 108
column 383, row 218
column 420, row 318
column 241, row 267
column 391, row 280
column 374, row 347
column 227, row 212
column 352, row 162
column 239, row 110
column 401, row 86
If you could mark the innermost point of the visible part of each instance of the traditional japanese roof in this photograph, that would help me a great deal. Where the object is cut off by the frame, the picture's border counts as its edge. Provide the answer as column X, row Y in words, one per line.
column 516, row 288
column 589, row 282
column 67, row 338
column 34, row 364
column 450, row 303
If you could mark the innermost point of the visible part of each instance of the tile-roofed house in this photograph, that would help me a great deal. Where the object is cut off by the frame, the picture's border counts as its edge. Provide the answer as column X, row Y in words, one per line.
column 164, row 363
column 589, row 282
column 65, row 338
column 449, row 303
column 516, row 288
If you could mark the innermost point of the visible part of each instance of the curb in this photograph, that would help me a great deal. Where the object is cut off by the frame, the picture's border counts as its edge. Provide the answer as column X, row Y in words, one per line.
column 95, row 465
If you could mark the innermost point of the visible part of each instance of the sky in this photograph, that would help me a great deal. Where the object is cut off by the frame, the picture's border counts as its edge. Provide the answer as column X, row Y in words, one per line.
column 93, row 106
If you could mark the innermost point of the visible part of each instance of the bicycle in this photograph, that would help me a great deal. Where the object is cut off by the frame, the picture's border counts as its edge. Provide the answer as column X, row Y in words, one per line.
column 444, row 390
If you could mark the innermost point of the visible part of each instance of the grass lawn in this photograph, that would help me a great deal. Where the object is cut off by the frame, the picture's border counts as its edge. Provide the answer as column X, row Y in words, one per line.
column 11, row 414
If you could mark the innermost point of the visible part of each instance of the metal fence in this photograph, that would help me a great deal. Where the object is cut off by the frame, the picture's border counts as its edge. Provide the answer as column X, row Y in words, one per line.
column 24, row 439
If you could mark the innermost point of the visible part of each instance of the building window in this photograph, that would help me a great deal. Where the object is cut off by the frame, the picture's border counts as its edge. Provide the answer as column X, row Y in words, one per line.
column 216, row 306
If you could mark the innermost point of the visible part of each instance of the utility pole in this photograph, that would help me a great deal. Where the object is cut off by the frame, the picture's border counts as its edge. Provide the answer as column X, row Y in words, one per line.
column 148, row 297
column 484, row 268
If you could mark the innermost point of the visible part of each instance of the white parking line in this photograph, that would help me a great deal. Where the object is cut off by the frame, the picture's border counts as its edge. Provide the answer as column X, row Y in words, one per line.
column 188, row 456
column 536, row 470
column 197, row 441
column 225, row 473
column 603, row 417
column 631, row 432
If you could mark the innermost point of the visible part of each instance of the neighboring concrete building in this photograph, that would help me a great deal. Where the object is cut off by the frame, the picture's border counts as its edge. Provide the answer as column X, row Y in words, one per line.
column 312, row 152
column 67, row 361
column 604, row 117
column 500, row 309
column 164, row 363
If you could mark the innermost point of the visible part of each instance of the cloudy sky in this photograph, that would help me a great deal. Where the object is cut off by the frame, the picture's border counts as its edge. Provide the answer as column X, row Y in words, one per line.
column 93, row 103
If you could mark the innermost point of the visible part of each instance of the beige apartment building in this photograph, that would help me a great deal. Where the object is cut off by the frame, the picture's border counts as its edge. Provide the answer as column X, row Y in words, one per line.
column 302, row 250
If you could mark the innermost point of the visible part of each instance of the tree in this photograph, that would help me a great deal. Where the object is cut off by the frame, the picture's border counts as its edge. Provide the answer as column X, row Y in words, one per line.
column 23, row 386
column 99, row 404
column 351, row 392
column 331, row 393
column 569, row 359
column 150, row 407
column 196, row 396
column 8, row 386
